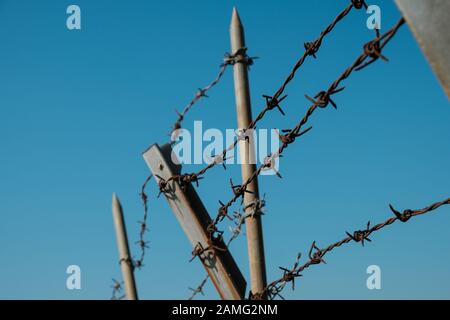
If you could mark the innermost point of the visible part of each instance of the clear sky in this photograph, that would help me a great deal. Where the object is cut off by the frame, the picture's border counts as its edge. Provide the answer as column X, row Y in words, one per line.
column 77, row 109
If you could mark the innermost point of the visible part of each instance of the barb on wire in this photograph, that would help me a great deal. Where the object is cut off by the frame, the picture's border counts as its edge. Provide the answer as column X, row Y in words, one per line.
column 240, row 56
column 214, row 244
column 239, row 220
column 229, row 60
column 143, row 226
column 361, row 235
column 117, row 288
column 199, row 289
column 257, row 208
column 289, row 276
column 373, row 50
column 358, row 4
column 236, row 230
column 143, row 245
column 316, row 254
column 322, row 100
column 273, row 102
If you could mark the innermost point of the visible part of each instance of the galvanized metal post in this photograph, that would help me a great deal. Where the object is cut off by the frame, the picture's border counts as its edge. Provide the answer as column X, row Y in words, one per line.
column 247, row 151
column 126, row 263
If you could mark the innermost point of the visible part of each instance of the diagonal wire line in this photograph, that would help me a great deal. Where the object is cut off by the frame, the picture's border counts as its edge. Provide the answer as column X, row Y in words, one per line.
column 316, row 255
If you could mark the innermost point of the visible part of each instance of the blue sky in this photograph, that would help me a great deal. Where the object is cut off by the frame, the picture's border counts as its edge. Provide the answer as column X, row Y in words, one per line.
column 77, row 109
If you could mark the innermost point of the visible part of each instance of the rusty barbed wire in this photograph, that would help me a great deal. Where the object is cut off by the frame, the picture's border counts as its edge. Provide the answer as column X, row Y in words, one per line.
column 199, row 288
column 143, row 245
column 238, row 220
column 117, row 289
column 229, row 59
column 371, row 50
column 257, row 208
column 321, row 100
column 316, row 255
column 240, row 56
column 143, row 226
column 272, row 102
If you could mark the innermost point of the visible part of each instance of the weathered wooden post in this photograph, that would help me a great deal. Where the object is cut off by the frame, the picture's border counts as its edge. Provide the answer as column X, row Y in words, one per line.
column 126, row 263
column 247, row 153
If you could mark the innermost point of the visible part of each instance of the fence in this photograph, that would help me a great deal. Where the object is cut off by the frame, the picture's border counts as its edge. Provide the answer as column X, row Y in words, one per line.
column 208, row 239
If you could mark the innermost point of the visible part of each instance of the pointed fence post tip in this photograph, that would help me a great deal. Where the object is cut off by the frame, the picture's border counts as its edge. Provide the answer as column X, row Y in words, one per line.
column 115, row 200
column 236, row 23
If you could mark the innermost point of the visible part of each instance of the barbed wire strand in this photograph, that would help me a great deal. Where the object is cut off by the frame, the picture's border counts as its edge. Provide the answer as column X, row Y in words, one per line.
column 311, row 49
column 272, row 102
column 371, row 50
column 117, row 286
column 199, row 288
column 143, row 225
column 229, row 60
column 117, row 290
column 240, row 190
column 316, row 255
column 236, row 231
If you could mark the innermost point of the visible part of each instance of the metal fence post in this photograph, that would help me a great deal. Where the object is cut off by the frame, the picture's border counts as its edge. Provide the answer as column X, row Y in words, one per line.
column 247, row 152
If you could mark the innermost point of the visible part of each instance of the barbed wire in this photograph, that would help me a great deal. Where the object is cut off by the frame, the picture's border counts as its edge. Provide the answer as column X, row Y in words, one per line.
column 229, row 60
column 236, row 231
column 117, row 289
column 372, row 50
column 272, row 102
column 143, row 226
column 199, row 288
column 316, row 255
column 117, row 286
